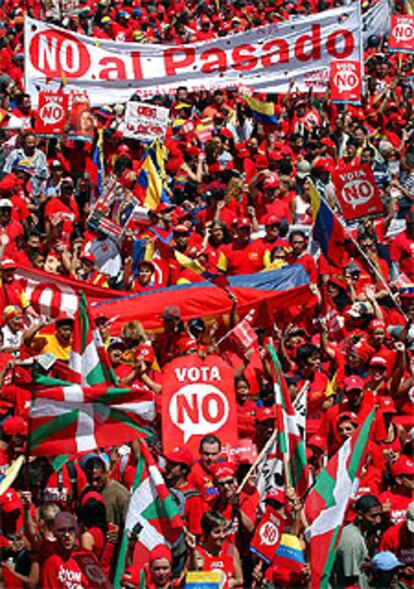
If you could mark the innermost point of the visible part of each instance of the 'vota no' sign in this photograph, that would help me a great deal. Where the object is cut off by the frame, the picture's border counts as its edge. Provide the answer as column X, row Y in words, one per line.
column 266, row 58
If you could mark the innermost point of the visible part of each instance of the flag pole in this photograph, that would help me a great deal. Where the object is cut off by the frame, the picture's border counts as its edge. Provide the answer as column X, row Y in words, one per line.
column 263, row 453
column 378, row 274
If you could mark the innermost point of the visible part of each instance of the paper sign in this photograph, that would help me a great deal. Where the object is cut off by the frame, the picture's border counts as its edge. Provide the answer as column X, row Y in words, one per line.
column 51, row 113
column 401, row 33
column 357, row 192
column 268, row 534
column 92, row 570
column 113, row 210
column 81, row 122
column 345, row 82
column 145, row 122
column 198, row 399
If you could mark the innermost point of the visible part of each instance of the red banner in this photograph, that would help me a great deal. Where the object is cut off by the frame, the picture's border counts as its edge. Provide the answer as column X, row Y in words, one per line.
column 357, row 192
column 198, row 398
column 402, row 33
column 268, row 535
column 346, row 82
column 51, row 114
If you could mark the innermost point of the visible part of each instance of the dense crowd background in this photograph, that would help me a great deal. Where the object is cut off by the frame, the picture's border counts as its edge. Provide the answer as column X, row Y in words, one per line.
column 240, row 205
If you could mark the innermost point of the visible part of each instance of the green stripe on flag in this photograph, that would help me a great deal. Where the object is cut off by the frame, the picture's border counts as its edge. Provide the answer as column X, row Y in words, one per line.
column 329, row 563
column 52, row 426
column 360, row 446
column 120, row 567
column 325, row 487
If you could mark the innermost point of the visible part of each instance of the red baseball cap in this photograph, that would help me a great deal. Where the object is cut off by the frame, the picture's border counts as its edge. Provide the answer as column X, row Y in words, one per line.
column 403, row 466
column 15, row 425
column 387, row 405
column 376, row 324
column 184, row 344
column 10, row 501
column 378, row 361
column 270, row 219
column 145, row 352
column 266, row 413
column 348, row 416
column 223, row 469
column 243, row 222
column 276, row 495
column 180, row 455
column 270, row 183
column 317, row 441
column 353, row 382
column 8, row 264
column 181, row 229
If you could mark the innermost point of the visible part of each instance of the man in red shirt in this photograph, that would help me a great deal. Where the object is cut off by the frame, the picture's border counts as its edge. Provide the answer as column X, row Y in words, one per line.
column 242, row 256
column 397, row 499
column 13, row 229
column 402, row 251
column 193, row 506
column 239, row 512
column 299, row 243
column 201, row 476
column 399, row 539
column 64, row 206
column 60, row 570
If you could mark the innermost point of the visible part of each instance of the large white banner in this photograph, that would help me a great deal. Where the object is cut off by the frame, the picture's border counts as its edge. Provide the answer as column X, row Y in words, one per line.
column 266, row 58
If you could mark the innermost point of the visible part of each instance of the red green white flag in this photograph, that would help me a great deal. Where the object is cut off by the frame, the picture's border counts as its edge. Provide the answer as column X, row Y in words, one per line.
column 152, row 514
column 326, row 504
column 88, row 362
column 76, row 419
column 290, row 439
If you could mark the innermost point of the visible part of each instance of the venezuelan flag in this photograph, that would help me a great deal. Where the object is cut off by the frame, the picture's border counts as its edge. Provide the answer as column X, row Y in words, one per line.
column 96, row 167
column 289, row 553
column 264, row 112
column 216, row 278
column 327, row 230
column 151, row 177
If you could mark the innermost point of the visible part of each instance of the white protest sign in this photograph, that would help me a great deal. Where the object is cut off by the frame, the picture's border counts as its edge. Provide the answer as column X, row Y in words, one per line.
column 145, row 122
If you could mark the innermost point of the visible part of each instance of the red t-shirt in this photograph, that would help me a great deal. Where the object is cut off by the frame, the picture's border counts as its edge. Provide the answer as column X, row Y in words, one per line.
column 243, row 259
column 61, row 572
column 399, row 504
column 402, row 251
column 399, row 540
column 203, row 481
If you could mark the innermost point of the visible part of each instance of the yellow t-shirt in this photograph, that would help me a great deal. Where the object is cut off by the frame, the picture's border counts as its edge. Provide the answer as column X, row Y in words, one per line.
column 48, row 343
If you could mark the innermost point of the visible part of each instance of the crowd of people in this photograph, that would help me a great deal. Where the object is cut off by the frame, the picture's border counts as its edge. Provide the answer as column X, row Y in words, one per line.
column 238, row 201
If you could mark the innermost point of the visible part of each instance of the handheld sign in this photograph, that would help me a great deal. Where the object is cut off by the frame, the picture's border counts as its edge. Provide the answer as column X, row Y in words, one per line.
column 268, row 535
column 51, row 113
column 401, row 33
column 357, row 192
column 345, row 82
column 198, row 399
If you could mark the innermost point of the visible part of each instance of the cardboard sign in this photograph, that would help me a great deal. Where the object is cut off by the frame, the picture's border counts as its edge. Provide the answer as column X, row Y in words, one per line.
column 401, row 33
column 92, row 570
column 268, row 535
column 113, row 210
column 51, row 113
column 346, row 82
column 145, row 122
column 357, row 192
column 198, row 399
column 81, row 121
